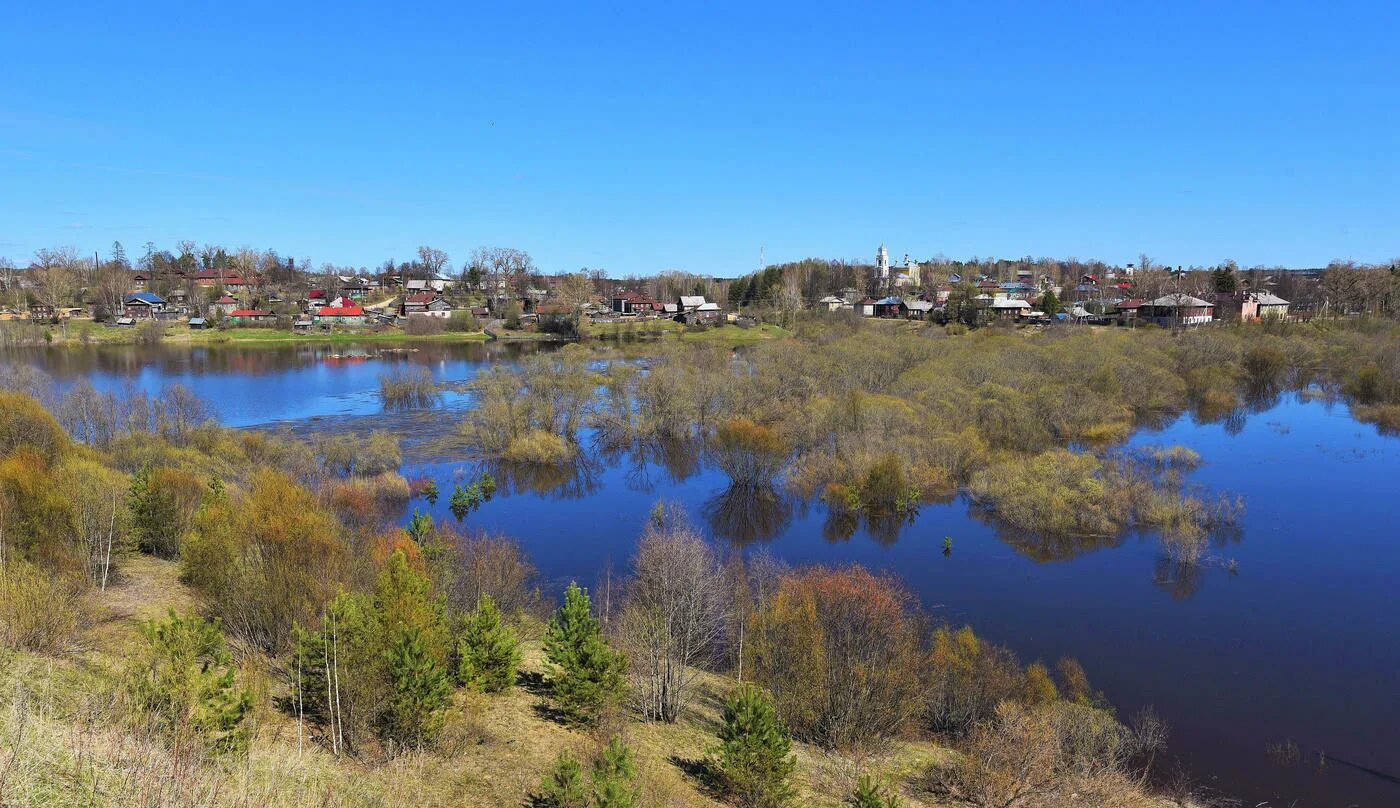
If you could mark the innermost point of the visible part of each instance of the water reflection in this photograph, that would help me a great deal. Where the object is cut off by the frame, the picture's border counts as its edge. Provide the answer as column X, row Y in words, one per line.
column 650, row 463
column 884, row 527
column 745, row 514
column 573, row 480
column 1181, row 579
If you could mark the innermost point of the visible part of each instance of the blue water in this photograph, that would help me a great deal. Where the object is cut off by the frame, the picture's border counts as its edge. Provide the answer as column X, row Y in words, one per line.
column 1298, row 640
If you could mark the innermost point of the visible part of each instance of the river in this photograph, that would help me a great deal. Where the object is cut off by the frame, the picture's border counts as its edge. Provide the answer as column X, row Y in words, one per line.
column 1289, row 631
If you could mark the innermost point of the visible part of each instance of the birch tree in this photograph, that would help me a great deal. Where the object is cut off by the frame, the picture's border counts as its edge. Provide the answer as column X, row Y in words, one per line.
column 674, row 618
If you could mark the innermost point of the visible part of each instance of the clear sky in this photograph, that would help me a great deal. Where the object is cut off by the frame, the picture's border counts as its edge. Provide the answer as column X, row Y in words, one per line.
column 639, row 137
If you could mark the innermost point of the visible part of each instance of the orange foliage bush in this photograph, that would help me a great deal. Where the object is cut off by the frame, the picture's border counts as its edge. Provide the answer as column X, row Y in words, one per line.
column 397, row 540
column 750, row 453
column 839, row 651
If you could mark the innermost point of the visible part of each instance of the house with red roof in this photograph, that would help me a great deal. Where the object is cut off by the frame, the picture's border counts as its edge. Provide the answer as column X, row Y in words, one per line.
column 252, row 317
column 227, row 278
column 343, row 315
column 628, row 302
column 430, row 304
column 1128, row 310
column 224, row 305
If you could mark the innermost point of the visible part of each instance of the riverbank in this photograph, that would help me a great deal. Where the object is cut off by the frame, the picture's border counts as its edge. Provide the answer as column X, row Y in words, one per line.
column 87, row 333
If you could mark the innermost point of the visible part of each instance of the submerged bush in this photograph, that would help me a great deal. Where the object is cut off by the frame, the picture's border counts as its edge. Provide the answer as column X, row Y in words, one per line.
column 750, row 453
column 402, row 388
column 541, row 448
column 1056, row 492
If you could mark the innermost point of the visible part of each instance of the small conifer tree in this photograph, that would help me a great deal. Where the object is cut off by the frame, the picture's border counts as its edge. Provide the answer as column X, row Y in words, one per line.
column 869, row 794
column 590, row 672
column 420, row 690
column 615, row 777
column 489, row 652
column 753, row 760
column 563, row 785
column 184, row 681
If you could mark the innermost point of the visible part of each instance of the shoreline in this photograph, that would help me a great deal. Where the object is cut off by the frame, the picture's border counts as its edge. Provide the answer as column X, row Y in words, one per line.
column 99, row 334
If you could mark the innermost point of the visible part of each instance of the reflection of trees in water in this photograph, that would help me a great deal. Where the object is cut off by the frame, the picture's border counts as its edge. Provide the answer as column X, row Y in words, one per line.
column 884, row 527
column 572, row 480
column 1045, row 546
column 840, row 525
column 745, row 514
column 1262, row 396
column 254, row 359
column 1180, row 579
column 678, row 459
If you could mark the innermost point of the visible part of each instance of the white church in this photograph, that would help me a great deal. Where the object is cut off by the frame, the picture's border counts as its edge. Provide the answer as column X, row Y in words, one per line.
column 906, row 275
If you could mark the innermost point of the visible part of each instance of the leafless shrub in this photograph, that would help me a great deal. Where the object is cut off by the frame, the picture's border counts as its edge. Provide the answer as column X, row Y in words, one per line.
column 674, row 615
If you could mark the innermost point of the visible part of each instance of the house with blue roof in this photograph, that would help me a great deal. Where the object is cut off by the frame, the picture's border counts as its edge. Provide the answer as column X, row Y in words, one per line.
column 142, row 305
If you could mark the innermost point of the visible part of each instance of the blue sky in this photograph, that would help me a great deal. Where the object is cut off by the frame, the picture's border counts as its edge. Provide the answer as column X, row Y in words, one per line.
column 687, row 136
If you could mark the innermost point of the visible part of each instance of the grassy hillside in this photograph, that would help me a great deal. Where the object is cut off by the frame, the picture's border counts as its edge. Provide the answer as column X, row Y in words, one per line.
column 65, row 740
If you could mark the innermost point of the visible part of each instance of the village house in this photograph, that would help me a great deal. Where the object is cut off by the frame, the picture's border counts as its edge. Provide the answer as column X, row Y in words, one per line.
column 1251, row 306
column 224, row 305
column 1177, row 309
column 424, row 303
column 354, row 288
column 865, row 307
column 831, row 303
column 1127, row 310
column 340, row 315
column 889, row 307
column 916, row 309
column 1009, row 308
column 142, row 305
column 252, row 317
column 627, row 302
column 692, row 309
column 227, row 278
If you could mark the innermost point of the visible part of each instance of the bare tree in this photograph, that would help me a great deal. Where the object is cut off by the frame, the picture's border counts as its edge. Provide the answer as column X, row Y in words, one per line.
column 575, row 291
column 109, row 290
column 504, row 269
column 55, row 275
column 433, row 260
column 674, row 616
